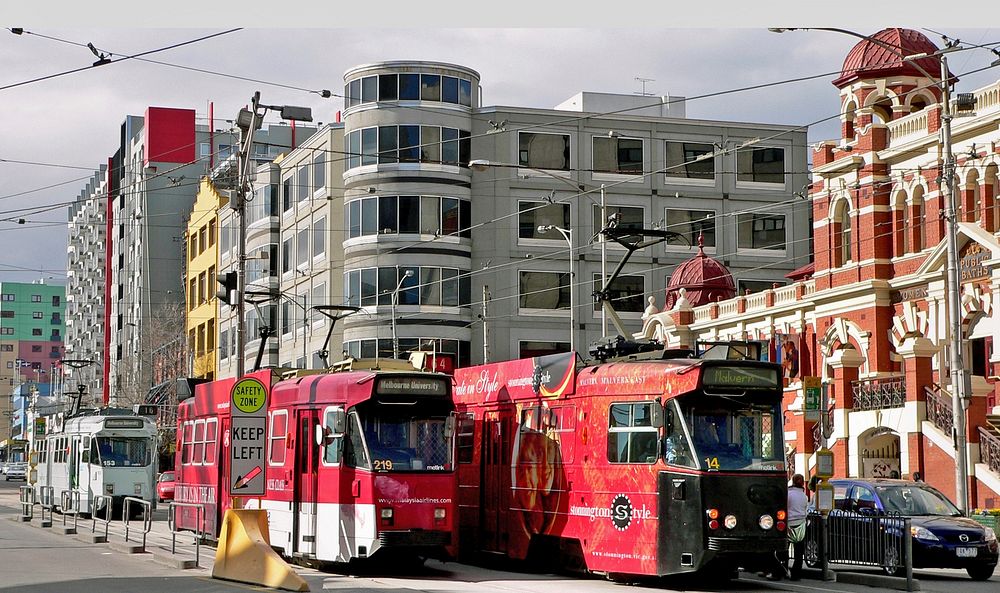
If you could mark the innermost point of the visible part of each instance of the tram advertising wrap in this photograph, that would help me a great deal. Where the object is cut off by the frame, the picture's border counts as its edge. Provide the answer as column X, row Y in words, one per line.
column 648, row 467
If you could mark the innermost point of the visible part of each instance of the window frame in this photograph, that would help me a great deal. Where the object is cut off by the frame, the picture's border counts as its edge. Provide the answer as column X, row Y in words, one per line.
column 271, row 438
column 685, row 179
column 631, row 429
column 549, row 238
column 618, row 174
column 752, row 183
column 621, row 312
column 761, row 250
column 527, row 169
column 694, row 231
column 537, row 311
column 322, row 453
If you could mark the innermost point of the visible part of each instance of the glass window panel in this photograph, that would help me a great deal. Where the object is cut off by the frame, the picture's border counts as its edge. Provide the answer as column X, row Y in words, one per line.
column 430, row 286
column 409, row 144
column 465, row 218
column 449, row 146
column 272, row 200
column 690, row 224
column 409, row 294
column 369, row 216
column 449, row 287
column 387, row 214
column 388, row 87
column 449, row 216
column 465, row 92
column 409, row 214
column 681, row 161
column 354, row 149
column 302, row 247
column 641, row 415
column 387, row 280
column 429, row 215
column 544, row 290
column 319, row 237
column 369, row 89
column 286, row 255
column 465, row 290
column 387, row 144
column 409, row 87
column 627, row 217
column 617, row 155
column 627, row 293
column 369, row 146
column 319, row 172
column 543, row 151
column 286, row 194
column 354, row 92
column 534, row 214
column 619, row 415
column 430, row 144
column 761, row 231
column 354, row 219
column 430, row 87
column 369, row 277
column 762, row 165
column 301, row 182
column 464, row 148
column 449, row 89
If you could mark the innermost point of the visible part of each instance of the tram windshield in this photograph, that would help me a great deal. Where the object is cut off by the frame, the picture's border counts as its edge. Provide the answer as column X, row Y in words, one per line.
column 730, row 433
column 120, row 451
column 403, row 442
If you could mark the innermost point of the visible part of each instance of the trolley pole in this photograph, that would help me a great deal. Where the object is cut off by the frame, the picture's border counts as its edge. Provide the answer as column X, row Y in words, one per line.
column 604, row 260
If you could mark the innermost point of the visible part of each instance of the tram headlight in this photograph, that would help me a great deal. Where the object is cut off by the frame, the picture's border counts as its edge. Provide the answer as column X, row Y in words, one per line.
column 109, row 488
column 386, row 515
column 766, row 522
column 138, row 488
column 440, row 514
column 730, row 522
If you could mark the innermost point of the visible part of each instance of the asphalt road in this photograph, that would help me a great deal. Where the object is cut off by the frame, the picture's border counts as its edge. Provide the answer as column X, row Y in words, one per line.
column 33, row 560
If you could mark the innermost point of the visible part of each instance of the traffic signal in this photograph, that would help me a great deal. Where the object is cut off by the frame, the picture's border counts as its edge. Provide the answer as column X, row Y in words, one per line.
column 227, row 294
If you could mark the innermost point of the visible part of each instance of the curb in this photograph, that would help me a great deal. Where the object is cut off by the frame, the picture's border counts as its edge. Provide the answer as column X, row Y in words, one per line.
column 876, row 580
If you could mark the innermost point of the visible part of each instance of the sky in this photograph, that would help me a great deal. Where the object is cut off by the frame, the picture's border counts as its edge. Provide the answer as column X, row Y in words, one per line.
column 69, row 124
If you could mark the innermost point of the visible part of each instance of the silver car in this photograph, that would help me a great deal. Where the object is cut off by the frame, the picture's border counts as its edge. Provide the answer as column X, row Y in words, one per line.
column 17, row 471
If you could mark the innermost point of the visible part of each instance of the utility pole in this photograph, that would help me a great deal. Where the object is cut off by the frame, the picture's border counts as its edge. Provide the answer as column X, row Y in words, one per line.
column 239, row 207
column 486, row 323
column 959, row 397
column 604, row 260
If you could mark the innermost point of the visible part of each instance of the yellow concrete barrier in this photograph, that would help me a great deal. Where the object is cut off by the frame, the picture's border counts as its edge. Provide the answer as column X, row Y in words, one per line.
column 245, row 555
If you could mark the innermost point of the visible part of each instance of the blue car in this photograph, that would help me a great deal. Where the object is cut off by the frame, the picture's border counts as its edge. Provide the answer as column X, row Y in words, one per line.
column 941, row 536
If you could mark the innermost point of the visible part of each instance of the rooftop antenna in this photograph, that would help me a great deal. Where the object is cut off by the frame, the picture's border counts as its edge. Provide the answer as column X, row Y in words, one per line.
column 643, row 82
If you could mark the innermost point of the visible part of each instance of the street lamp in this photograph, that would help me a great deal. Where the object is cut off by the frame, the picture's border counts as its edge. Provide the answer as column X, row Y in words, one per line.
column 959, row 396
column 393, row 301
column 249, row 121
column 568, row 235
column 484, row 164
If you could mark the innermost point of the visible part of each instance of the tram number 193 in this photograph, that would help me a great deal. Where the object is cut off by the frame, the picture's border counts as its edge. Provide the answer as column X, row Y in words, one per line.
column 383, row 465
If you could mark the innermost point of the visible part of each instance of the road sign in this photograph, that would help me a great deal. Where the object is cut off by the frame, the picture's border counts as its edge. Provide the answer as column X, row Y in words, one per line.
column 812, row 391
column 248, row 435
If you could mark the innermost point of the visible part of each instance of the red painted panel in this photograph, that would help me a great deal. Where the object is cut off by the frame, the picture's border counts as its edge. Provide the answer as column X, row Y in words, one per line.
column 169, row 135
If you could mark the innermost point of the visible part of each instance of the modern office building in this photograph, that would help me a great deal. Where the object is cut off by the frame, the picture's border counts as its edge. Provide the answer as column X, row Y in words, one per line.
column 441, row 255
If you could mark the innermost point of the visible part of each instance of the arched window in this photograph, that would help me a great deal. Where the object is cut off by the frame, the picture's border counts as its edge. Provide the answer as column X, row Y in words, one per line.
column 901, row 224
column 971, row 197
column 882, row 111
column 991, row 204
column 918, row 219
column 849, row 116
column 841, row 233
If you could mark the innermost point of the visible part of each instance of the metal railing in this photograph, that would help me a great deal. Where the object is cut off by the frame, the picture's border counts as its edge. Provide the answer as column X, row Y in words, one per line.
column 46, row 500
column 26, row 496
column 879, row 393
column 199, row 533
column 865, row 538
column 147, row 516
column 108, row 512
column 69, row 500
column 939, row 409
column 989, row 449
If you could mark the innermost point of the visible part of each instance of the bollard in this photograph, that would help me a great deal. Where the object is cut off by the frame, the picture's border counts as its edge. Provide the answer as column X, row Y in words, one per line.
column 824, row 547
column 109, row 506
column 26, row 495
column 147, row 516
column 199, row 531
column 908, row 552
column 47, row 496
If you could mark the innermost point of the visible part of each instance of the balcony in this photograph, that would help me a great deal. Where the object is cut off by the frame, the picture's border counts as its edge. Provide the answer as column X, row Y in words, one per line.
column 989, row 449
column 879, row 393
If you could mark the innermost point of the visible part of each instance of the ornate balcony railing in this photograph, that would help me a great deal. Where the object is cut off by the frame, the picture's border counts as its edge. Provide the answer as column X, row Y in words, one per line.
column 879, row 393
column 939, row 409
column 989, row 449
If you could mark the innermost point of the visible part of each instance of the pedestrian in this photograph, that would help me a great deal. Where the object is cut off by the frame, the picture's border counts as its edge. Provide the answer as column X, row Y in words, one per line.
column 916, row 477
column 797, row 511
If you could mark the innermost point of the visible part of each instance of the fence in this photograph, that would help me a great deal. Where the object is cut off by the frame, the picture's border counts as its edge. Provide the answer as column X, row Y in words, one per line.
column 939, row 409
column 865, row 538
column 879, row 393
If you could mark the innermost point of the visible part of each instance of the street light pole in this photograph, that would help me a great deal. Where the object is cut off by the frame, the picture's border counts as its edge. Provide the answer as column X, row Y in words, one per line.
column 392, row 308
column 568, row 235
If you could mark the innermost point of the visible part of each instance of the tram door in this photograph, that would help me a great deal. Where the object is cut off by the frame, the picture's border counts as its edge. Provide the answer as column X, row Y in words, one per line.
column 495, row 490
column 306, row 467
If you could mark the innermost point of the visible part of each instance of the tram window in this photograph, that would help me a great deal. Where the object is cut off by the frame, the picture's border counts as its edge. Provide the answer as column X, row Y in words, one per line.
column 631, row 436
column 677, row 447
column 276, row 438
column 187, row 444
column 466, row 437
column 211, row 433
column 355, row 454
column 95, row 457
column 85, row 454
column 123, row 451
column 198, row 451
column 333, row 445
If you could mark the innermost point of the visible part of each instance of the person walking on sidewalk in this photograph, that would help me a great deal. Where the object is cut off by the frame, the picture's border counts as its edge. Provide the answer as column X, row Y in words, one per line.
column 797, row 511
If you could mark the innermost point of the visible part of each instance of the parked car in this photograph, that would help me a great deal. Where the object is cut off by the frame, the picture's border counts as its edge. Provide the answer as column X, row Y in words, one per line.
column 165, row 487
column 941, row 536
column 16, row 470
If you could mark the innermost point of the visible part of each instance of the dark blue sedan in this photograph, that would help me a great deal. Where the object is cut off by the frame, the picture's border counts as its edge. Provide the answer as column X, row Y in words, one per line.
column 941, row 536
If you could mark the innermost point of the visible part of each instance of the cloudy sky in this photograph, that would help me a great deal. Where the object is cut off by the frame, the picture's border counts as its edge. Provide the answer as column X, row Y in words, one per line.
column 69, row 124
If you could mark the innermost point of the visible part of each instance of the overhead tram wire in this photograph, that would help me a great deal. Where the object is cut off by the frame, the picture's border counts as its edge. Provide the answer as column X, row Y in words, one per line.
column 130, row 57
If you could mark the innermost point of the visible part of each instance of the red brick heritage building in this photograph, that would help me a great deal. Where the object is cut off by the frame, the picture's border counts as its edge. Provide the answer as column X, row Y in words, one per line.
column 869, row 316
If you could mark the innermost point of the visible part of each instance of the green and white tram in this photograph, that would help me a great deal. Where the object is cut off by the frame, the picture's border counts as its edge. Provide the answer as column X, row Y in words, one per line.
column 108, row 451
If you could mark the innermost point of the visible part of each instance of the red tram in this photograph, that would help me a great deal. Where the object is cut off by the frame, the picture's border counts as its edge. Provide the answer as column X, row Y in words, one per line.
column 359, row 461
column 654, row 464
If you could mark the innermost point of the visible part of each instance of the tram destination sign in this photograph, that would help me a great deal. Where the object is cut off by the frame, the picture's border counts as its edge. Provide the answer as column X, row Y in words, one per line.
column 248, row 435
column 745, row 377
column 427, row 386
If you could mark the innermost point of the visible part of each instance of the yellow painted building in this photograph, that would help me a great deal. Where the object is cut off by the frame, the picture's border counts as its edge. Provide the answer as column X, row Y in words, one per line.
column 201, row 286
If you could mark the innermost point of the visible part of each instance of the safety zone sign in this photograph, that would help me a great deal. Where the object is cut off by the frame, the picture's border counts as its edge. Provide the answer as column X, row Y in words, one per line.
column 248, row 435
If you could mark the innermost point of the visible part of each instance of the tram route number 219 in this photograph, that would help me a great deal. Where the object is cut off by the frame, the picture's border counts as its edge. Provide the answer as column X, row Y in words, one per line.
column 383, row 465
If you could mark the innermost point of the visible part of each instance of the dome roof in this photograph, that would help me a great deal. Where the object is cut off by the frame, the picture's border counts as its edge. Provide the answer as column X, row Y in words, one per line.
column 873, row 60
column 704, row 279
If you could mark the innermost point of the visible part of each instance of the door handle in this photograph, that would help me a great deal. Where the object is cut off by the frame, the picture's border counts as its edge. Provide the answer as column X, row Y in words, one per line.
column 356, row 488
